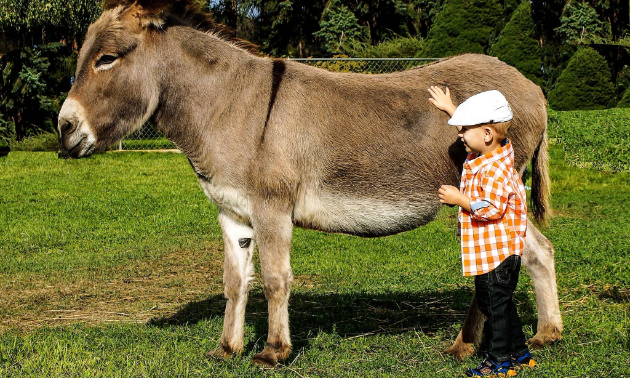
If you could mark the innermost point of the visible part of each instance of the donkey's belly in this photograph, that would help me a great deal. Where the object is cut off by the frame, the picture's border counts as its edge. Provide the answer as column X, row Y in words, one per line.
column 362, row 216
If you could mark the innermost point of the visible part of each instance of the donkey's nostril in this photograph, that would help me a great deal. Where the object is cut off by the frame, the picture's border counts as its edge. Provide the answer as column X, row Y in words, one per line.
column 65, row 126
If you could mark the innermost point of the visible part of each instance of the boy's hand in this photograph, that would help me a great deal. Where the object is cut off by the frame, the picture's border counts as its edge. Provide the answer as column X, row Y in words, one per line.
column 450, row 195
column 442, row 100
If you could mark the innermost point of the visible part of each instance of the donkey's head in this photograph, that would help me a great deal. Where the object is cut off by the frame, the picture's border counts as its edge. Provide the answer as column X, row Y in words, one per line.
column 117, row 81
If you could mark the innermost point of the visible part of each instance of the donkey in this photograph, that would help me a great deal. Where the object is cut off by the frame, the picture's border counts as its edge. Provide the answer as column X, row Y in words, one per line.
column 276, row 143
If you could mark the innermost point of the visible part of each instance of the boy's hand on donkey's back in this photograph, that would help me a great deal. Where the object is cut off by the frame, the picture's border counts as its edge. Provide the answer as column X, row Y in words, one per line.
column 442, row 100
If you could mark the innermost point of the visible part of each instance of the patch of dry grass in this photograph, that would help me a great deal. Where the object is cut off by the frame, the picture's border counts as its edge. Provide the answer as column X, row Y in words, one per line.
column 130, row 293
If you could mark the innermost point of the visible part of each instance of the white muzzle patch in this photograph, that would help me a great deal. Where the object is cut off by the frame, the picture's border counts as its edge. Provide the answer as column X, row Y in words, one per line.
column 76, row 136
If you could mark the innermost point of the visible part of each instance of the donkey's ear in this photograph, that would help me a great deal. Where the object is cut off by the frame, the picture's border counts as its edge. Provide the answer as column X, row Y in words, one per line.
column 151, row 13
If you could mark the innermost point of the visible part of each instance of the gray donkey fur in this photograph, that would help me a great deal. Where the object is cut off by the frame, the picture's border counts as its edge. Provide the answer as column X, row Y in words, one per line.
column 276, row 143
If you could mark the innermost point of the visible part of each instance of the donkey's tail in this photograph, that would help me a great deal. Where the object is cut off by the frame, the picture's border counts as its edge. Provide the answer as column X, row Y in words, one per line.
column 541, row 207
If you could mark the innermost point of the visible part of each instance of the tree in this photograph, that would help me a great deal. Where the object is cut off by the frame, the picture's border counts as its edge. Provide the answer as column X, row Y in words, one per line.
column 340, row 30
column 33, row 83
column 282, row 27
column 585, row 84
column 286, row 27
column 518, row 45
column 386, row 19
column 580, row 24
column 615, row 14
column 546, row 15
column 424, row 13
column 463, row 26
column 30, row 22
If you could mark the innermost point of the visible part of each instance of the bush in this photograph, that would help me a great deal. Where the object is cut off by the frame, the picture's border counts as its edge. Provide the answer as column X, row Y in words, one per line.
column 585, row 84
column 518, row 45
column 593, row 139
column 621, row 87
column 41, row 142
column 395, row 48
column 355, row 66
column 462, row 26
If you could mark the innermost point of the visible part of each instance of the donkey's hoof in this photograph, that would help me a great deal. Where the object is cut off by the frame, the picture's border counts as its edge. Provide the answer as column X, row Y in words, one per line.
column 547, row 334
column 270, row 356
column 221, row 353
column 542, row 339
column 460, row 350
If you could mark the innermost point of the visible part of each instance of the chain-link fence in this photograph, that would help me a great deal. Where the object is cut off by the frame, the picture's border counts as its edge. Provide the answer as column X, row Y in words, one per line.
column 366, row 65
column 149, row 138
column 146, row 138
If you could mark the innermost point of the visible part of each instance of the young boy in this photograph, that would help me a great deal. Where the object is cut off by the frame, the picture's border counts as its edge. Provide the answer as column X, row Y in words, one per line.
column 492, row 223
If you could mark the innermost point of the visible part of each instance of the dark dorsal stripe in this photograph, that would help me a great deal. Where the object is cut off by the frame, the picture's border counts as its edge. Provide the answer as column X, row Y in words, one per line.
column 277, row 73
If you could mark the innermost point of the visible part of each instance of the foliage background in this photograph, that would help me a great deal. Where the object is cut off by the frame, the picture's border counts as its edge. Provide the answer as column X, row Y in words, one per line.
column 539, row 38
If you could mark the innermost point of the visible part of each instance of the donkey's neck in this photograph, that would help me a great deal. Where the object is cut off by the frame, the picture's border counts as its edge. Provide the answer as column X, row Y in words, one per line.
column 213, row 97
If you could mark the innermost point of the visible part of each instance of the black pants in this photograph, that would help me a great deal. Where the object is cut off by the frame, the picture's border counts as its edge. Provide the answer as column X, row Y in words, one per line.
column 503, row 329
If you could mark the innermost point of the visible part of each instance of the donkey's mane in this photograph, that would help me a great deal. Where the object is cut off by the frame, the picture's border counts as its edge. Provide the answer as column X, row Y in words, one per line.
column 184, row 12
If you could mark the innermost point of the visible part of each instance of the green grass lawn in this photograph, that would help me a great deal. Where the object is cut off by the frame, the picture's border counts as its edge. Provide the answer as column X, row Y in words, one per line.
column 111, row 266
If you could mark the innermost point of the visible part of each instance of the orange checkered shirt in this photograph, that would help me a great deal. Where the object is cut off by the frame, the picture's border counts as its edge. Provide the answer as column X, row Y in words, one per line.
column 496, row 226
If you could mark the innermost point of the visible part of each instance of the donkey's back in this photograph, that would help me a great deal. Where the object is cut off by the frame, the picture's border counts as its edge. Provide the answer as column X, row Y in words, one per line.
column 369, row 151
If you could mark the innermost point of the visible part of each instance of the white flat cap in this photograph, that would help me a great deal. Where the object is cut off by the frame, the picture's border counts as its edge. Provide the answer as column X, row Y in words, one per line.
column 484, row 107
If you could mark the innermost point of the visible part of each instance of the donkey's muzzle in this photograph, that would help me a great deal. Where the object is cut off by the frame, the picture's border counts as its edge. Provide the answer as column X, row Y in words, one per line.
column 75, row 139
column 64, row 128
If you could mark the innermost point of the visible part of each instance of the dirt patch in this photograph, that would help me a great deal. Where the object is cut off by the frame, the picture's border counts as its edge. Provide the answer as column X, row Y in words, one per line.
column 132, row 293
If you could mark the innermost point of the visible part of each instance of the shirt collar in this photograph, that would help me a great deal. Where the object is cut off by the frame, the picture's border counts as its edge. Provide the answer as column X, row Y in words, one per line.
column 474, row 162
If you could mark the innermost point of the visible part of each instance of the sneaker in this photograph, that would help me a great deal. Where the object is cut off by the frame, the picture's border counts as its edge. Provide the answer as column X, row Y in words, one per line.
column 489, row 368
column 525, row 360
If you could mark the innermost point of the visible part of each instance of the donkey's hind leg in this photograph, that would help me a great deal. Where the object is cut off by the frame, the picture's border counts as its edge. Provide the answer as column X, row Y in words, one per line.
column 470, row 334
column 539, row 260
column 237, row 273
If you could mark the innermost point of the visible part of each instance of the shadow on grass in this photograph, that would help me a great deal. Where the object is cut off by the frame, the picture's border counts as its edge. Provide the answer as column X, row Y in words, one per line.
column 351, row 314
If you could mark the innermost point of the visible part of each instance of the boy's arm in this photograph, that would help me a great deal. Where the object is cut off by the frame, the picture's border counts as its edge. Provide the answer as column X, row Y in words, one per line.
column 490, row 205
column 442, row 100
column 450, row 195
column 493, row 201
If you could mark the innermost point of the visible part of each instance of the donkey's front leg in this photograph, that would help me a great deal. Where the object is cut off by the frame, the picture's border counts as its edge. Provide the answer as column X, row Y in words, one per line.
column 238, row 271
column 273, row 230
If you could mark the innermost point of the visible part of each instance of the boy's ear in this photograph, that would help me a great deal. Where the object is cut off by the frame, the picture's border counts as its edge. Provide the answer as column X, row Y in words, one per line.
column 488, row 134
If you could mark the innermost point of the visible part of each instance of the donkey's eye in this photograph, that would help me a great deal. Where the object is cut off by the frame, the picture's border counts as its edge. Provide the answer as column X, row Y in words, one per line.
column 104, row 60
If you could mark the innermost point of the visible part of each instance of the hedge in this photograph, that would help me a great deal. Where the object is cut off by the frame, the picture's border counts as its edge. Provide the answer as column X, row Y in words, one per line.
column 585, row 84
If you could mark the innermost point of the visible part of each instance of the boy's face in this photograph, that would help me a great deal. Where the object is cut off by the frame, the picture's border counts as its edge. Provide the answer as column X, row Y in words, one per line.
column 475, row 138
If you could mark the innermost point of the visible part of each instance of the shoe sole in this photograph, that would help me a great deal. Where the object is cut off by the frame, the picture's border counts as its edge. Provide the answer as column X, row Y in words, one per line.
column 530, row 364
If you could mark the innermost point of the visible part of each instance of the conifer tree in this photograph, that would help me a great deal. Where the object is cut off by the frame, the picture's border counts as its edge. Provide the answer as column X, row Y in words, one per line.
column 585, row 84
column 340, row 29
column 463, row 26
column 625, row 100
column 518, row 46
